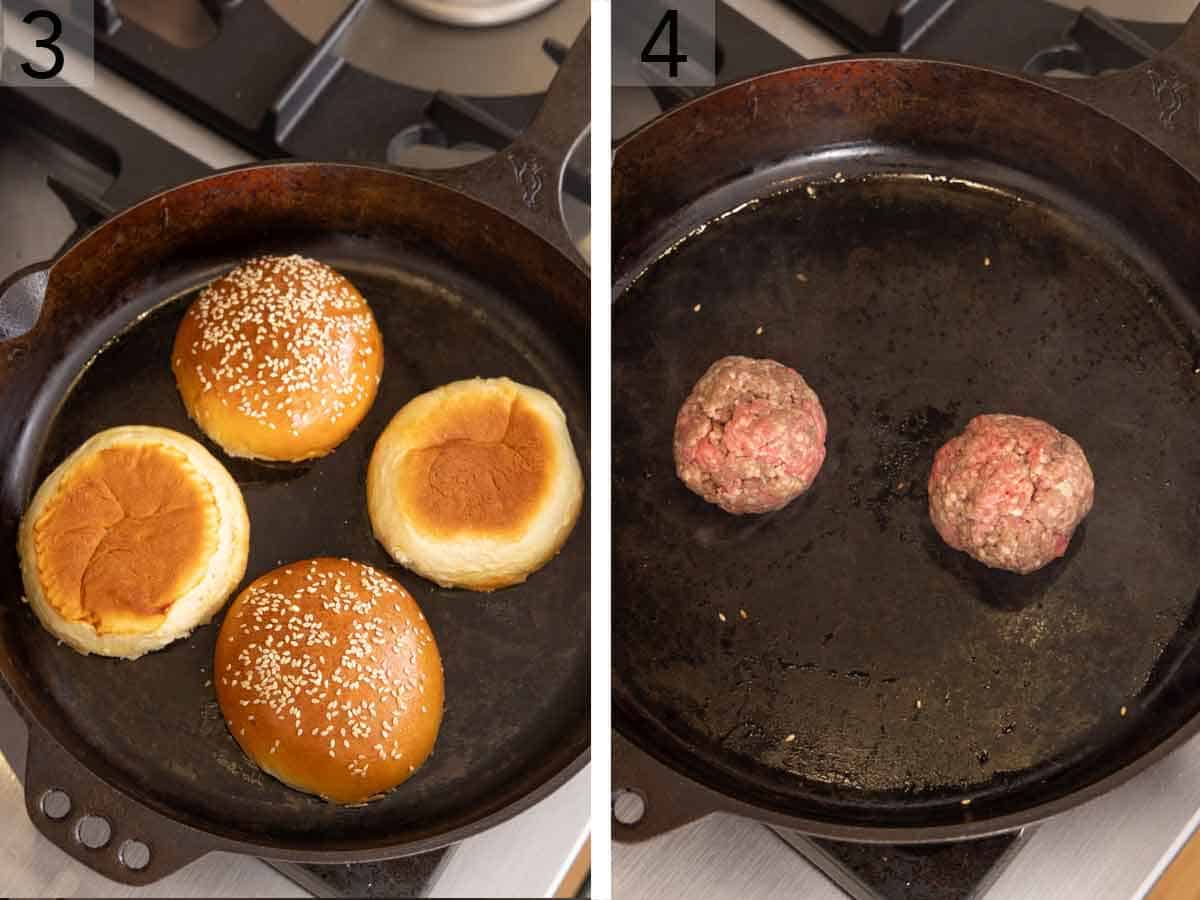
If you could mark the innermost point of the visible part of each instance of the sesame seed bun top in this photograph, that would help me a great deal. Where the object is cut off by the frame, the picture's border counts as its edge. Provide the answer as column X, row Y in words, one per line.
column 279, row 359
column 330, row 679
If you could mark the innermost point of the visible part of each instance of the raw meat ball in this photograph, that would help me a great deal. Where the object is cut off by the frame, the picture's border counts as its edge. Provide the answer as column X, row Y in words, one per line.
column 751, row 435
column 1010, row 491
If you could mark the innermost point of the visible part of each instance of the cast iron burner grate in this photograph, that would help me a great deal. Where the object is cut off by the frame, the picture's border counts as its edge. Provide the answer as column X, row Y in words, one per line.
column 298, row 99
column 966, row 30
column 1039, row 37
column 303, row 100
column 963, row 870
column 407, row 877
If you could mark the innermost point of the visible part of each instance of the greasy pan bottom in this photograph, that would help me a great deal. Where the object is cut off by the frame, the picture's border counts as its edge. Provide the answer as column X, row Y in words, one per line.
column 515, row 661
column 878, row 678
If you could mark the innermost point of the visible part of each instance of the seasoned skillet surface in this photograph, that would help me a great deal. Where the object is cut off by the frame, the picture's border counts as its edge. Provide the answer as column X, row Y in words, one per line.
column 515, row 661
column 875, row 668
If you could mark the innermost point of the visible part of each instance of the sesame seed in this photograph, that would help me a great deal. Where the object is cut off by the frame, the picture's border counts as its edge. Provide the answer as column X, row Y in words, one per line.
column 307, row 314
column 335, row 611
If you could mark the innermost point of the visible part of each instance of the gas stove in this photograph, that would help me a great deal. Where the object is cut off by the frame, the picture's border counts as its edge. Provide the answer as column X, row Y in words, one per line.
column 1036, row 36
column 183, row 89
column 1111, row 848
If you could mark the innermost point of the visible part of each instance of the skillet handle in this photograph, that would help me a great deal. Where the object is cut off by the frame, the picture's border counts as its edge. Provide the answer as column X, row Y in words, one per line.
column 670, row 800
column 524, row 180
column 171, row 845
column 21, row 298
column 1159, row 99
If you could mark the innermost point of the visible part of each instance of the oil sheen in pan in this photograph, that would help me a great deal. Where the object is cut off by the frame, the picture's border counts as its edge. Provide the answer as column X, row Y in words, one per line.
column 515, row 661
column 871, row 659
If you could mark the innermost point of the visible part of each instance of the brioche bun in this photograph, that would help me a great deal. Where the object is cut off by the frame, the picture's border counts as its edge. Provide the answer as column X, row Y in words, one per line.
column 280, row 359
column 329, row 678
column 138, row 537
column 475, row 484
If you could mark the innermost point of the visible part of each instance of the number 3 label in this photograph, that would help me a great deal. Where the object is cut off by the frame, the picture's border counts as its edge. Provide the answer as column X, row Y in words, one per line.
column 48, row 43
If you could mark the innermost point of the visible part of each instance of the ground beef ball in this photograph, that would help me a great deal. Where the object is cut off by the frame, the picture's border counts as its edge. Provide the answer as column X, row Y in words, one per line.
column 1010, row 491
column 751, row 435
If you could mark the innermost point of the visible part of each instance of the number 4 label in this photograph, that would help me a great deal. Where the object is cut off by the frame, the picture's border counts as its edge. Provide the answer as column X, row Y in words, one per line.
column 664, row 42
column 670, row 24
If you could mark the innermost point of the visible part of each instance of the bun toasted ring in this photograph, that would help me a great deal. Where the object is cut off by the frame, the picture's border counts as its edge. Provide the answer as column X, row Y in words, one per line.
column 138, row 537
column 475, row 484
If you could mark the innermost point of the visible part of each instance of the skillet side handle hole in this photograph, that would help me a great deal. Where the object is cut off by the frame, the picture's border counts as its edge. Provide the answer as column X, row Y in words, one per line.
column 628, row 806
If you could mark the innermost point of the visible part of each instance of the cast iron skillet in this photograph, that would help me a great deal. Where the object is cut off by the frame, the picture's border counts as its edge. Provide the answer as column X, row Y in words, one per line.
column 468, row 272
column 924, row 241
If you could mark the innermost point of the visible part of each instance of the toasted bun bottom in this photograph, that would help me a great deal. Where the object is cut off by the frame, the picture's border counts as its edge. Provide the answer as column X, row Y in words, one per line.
column 136, row 538
column 475, row 484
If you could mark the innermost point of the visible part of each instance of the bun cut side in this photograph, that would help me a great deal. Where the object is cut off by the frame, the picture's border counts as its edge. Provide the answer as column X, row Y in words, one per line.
column 138, row 537
column 475, row 484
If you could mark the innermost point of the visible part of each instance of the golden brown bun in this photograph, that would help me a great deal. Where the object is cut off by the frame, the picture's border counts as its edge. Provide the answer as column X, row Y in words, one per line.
column 138, row 537
column 475, row 484
column 280, row 359
column 330, row 679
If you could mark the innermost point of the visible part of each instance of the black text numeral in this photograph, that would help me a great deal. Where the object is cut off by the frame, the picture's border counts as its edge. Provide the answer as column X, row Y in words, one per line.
column 46, row 43
column 670, row 24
